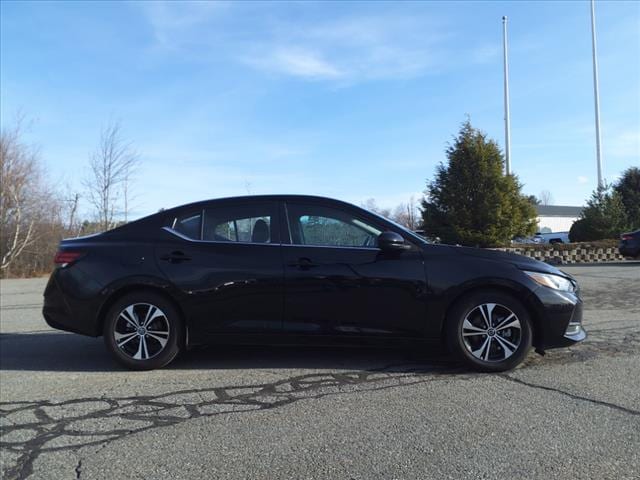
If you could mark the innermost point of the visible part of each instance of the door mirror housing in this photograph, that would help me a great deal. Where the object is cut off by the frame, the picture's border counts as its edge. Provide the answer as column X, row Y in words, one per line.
column 392, row 241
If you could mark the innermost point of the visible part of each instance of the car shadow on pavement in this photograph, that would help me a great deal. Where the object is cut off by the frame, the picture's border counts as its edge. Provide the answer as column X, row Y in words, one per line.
column 64, row 352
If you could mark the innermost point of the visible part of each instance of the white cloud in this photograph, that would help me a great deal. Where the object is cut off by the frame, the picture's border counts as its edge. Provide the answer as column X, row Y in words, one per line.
column 582, row 179
column 170, row 21
column 296, row 62
column 347, row 49
column 350, row 49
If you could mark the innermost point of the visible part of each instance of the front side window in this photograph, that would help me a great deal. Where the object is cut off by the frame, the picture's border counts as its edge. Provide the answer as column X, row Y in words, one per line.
column 247, row 223
column 325, row 226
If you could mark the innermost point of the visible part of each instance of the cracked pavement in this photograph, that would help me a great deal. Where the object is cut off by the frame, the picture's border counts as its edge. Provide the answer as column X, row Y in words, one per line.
column 67, row 411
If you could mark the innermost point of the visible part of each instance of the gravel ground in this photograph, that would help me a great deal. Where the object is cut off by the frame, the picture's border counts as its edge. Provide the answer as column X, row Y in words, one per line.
column 66, row 411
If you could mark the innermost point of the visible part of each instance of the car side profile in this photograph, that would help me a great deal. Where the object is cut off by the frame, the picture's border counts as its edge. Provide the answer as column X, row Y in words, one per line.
column 294, row 269
column 551, row 237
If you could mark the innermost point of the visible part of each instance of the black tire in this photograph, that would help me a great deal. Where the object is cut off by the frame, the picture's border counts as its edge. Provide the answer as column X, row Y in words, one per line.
column 155, row 346
column 496, row 344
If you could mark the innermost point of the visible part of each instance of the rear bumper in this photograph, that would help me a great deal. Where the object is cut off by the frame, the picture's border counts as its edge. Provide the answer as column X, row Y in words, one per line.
column 67, row 312
column 628, row 250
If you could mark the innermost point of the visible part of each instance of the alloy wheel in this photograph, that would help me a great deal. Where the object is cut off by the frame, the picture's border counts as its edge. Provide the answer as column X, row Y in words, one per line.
column 491, row 332
column 141, row 331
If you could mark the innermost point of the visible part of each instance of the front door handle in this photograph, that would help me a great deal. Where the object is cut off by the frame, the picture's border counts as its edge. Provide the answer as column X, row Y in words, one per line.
column 175, row 257
column 303, row 263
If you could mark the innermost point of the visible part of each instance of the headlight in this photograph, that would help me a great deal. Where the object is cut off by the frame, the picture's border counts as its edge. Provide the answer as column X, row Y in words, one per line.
column 552, row 281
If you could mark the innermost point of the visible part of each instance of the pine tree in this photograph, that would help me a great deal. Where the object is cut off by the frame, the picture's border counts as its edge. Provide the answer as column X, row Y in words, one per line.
column 471, row 201
column 603, row 217
column 628, row 187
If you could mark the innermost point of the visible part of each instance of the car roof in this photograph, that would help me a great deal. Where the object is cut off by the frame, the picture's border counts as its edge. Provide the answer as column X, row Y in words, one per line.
column 162, row 214
column 270, row 197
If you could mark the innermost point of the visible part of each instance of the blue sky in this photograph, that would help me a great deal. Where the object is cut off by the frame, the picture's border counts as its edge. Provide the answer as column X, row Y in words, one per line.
column 352, row 100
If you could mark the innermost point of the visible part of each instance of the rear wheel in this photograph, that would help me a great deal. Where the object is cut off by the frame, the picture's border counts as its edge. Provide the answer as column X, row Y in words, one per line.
column 490, row 331
column 143, row 331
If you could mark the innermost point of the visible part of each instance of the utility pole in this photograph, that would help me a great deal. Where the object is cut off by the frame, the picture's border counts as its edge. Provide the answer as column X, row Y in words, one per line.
column 596, row 94
column 507, row 117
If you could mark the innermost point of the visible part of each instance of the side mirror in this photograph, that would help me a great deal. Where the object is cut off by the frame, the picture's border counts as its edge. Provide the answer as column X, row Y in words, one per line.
column 392, row 241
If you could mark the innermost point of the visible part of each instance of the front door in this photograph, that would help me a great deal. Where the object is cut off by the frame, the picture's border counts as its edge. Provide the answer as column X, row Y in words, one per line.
column 338, row 282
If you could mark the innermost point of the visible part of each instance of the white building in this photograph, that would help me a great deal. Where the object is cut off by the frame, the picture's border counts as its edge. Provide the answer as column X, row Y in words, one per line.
column 556, row 218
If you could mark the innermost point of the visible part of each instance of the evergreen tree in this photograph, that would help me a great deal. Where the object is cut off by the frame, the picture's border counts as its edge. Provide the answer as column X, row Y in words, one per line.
column 628, row 187
column 471, row 201
column 603, row 217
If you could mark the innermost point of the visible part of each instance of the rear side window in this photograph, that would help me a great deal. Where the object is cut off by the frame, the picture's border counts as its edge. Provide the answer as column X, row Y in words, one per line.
column 246, row 223
column 189, row 225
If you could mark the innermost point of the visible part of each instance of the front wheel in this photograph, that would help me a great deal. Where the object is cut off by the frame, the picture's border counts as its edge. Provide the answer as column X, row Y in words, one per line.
column 490, row 331
column 143, row 331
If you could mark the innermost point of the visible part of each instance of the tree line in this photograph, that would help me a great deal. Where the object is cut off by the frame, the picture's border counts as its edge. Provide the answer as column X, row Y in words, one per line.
column 35, row 213
column 470, row 201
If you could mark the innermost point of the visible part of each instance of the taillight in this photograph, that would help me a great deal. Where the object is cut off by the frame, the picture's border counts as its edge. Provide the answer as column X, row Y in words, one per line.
column 626, row 237
column 65, row 257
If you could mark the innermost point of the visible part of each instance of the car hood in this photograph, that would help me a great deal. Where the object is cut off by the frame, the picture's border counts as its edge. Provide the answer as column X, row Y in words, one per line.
column 520, row 261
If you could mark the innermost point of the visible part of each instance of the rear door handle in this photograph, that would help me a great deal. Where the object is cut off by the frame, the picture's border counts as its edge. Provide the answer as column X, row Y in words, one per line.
column 175, row 257
column 303, row 263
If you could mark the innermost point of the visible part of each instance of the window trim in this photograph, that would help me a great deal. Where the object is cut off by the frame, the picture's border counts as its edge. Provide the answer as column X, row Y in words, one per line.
column 275, row 220
column 331, row 246
column 202, row 224
column 288, row 224
column 225, row 242
column 191, row 213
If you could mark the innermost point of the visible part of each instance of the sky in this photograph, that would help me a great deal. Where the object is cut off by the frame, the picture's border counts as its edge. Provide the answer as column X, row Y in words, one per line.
column 351, row 100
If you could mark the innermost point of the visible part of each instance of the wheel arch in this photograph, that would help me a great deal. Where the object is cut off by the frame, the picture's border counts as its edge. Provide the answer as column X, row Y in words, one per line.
column 138, row 286
column 520, row 294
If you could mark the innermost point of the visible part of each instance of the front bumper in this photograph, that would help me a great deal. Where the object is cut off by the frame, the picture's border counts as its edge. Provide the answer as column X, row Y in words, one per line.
column 559, row 319
column 575, row 333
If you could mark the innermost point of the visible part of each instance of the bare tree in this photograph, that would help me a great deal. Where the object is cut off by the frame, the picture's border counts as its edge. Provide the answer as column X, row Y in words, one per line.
column 413, row 213
column 546, row 198
column 73, row 210
column 371, row 205
column 18, row 164
column 111, row 167
column 407, row 214
column 126, row 190
column 27, row 203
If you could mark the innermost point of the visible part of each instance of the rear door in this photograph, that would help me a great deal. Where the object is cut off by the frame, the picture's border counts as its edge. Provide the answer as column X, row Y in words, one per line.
column 225, row 258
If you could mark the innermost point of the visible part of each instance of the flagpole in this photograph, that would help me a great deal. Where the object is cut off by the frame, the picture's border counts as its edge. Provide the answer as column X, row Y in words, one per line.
column 596, row 94
column 507, row 117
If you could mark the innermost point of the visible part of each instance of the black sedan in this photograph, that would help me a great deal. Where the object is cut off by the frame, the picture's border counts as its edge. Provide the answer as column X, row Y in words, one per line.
column 293, row 269
column 629, row 245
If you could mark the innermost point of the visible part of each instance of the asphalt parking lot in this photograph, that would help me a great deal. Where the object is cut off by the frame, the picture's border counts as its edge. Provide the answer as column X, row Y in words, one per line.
column 67, row 411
